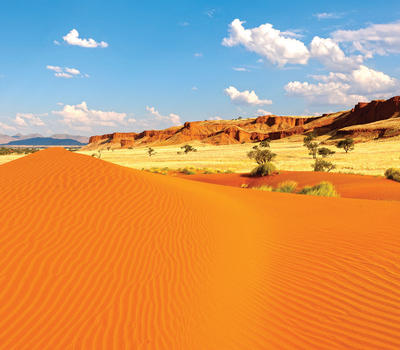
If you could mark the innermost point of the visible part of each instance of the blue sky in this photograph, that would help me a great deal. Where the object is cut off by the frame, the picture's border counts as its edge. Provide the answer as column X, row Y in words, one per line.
column 156, row 64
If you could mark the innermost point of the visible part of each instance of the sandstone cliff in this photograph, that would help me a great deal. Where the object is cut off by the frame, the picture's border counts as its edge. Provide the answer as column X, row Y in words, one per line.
column 367, row 120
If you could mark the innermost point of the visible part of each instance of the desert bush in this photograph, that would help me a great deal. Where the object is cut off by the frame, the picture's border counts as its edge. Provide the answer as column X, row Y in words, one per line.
column 393, row 174
column 187, row 171
column 325, row 152
column 265, row 143
column 347, row 144
column 286, row 187
column 264, row 169
column 244, row 186
column 325, row 189
column 187, row 148
column 263, row 188
column 323, row 165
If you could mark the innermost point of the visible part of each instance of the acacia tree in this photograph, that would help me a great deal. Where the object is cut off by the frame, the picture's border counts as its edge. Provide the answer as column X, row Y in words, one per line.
column 150, row 151
column 187, row 148
column 315, row 150
column 347, row 144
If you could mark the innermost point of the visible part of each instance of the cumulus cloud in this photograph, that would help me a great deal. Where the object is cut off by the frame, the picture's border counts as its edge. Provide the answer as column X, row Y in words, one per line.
column 72, row 38
column 378, row 39
column 66, row 72
column 332, row 56
column 245, row 97
column 276, row 46
column 171, row 118
column 80, row 115
column 29, row 119
column 360, row 84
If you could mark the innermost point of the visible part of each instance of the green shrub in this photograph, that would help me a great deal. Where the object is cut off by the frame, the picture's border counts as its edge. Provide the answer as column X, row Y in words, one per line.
column 325, row 189
column 393, row 174
column 264, row 170
column 263, row 188
column 187, row 171
column 286, row 187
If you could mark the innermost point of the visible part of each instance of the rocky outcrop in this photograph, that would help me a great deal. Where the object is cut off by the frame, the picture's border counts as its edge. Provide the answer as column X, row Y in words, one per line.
column 375, row 119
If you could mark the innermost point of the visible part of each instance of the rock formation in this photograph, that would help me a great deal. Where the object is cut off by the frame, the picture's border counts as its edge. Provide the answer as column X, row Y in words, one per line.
column 371, row 120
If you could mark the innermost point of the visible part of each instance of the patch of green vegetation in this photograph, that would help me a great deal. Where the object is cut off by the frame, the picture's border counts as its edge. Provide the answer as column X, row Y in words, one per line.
column 286, row 187
column 264, row 170
column 324, row 189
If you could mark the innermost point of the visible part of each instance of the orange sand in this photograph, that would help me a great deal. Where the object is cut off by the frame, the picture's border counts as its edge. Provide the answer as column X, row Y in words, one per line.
column 97, row 256
column 348, row 186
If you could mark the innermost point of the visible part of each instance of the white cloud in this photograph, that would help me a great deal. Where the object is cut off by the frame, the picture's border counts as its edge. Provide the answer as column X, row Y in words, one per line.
column 198, row 54
column 54, row 68
column 328, row 15
column 332, row 56
column 81, row 116
column 72, row 71
column 132, row 120
column 7, row 127
column 268, row 42
column 172, row 118
column 334, row 93
column 378, row 39
column 56, row 42
column 245, row 97
column 215, row 118
column 240, row 69
column 360, row 84
column 184, row 24
column 263, row 112
column 72, row 38
column 29, row 119
column 195, row 88
column 66, row 72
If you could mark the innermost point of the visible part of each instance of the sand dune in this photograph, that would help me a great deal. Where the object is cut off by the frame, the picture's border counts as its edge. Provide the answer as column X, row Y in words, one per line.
column 347, row 185
column 97, row 256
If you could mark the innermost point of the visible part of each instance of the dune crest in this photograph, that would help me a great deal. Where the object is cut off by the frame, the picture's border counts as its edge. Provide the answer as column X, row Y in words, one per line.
column 97, row 256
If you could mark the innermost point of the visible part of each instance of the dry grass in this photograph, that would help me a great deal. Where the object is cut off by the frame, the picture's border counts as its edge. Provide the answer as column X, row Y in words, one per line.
column 371, row 158
column 10, row 157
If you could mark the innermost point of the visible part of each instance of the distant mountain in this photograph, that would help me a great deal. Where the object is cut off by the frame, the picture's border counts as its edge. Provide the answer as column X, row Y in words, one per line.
column 5, row 139
column 45, row 141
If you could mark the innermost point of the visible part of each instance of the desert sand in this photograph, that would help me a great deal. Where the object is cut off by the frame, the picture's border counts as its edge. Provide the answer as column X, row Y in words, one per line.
column 347, row 185
column 97, row 256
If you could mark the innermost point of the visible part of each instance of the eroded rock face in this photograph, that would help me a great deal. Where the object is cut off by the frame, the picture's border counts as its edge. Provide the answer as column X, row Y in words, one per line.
column 269, row 126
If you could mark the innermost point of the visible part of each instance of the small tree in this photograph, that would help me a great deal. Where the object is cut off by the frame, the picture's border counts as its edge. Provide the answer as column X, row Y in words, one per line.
column 187, row 148
column 150, row 151
column 261, row 156
column 264, row 158
column 265, row 143
column 347, row 144
column 325, row 152
column 323, row 165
